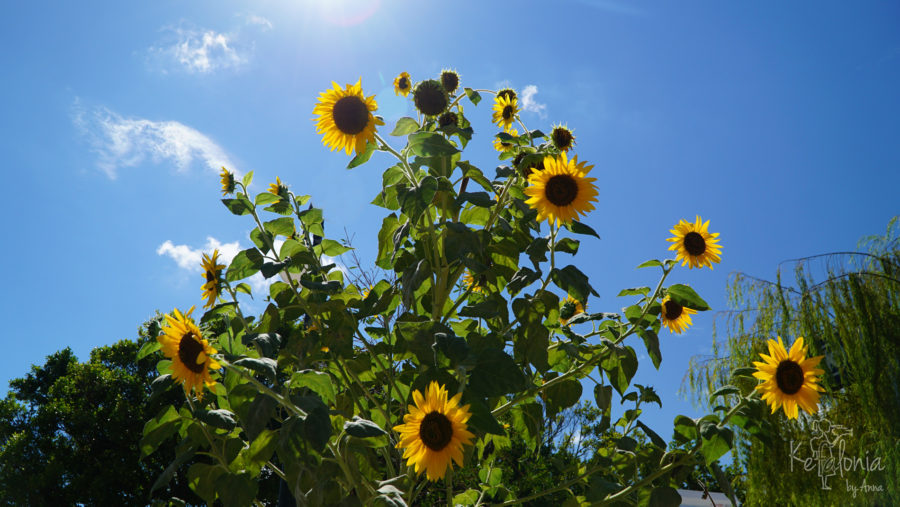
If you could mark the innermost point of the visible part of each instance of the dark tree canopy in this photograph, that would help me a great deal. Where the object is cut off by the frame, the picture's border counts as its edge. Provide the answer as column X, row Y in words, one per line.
column 69, row 431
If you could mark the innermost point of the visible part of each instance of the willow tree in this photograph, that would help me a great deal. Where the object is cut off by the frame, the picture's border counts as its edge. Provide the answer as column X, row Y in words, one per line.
column 847, row 306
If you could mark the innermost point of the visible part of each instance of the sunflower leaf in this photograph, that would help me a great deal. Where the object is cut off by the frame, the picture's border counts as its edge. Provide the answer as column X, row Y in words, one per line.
column 362, row 158
column 743, row 372
column 243, row 287
column 724, row 391
column 650, row 264
column 148, row 348
column 663, row 496
column 283, row 226
column 239, row 205
column 331, row 248
column 266, row 198
column 634, row 291
column 686, row 297
column 474, row 96
column 573, row 281
column 245, row 263
column 567, row 245
column 579, row 228
column 405, row 126
column 247, row 179
column 685, row 429
column 264, row 365
column 496, row 374
column 430, row 144
column 219, row 418
column 363, row 428
column 318, row 382
column 651, row 341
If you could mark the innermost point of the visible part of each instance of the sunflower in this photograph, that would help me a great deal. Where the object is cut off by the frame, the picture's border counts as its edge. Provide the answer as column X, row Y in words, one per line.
column 674, row 316
column 471, row 283
column 508, row 93
column 450, row 80
column 402, row 84
column 695, row 244
column 577, row 307
column 190, row 353
column 430, row 97
column 278, row 187
column 212, row 287
column 227, row 181
column 561, row 190
column 502, row 146
column 505, row 111
column 562, row 138
column 434, row 432
column 789, row 378
column 345, row 118
column 448, row 119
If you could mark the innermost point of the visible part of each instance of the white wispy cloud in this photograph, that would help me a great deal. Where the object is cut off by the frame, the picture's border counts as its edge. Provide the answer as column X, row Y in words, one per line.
column 205, row 52
column 189, row 259
column 126, row 142
column 263, row 23
column 529, row 104
column 198, row 50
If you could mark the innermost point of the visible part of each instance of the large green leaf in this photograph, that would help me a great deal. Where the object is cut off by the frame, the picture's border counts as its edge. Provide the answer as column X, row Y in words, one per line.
column 245, row 264
column 686, row 297
column 430, row 144
column 405, row 125
column 318, row 382
column 496, row 374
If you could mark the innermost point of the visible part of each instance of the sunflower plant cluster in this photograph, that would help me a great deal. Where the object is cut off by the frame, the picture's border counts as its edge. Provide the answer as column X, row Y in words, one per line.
column 476, row 330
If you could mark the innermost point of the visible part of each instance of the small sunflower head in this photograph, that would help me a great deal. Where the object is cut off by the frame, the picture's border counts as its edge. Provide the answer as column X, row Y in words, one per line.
column 450, row 80
column 694, row 244
column 790, row 379
column 505, row 112
column 430, row 97
column 675, row 317
column 571, row 307
column 525, row 164
column 402, row 84
column 562, row 138
column 212, row 285
column 278, row 188
column 344, row 118
column 562, row 190
column 227, row 181
column 447, row 119
column 508, row 93
column 501, row 145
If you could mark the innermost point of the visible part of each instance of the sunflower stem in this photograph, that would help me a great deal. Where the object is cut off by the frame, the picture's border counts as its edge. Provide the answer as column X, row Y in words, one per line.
column 216, row 452
column 409, row 172
column 286, row 403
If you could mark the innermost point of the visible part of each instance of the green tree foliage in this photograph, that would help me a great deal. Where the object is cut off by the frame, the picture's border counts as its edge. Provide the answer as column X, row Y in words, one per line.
column 847, row 306
column 69, row 431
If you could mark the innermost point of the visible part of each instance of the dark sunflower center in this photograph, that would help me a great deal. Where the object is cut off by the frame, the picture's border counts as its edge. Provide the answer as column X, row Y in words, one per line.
column 404, row 83
column 673, row 310
column 436, row 431
column 210, row 276
column 561, row 189
column 450, row 81
column 562, row 138
column 508, row 112
column 350, row 115
column 188, row 350
column 509, row 94
column 694, row 243
column 430, row 97
column 447, row 119
column 789, row 377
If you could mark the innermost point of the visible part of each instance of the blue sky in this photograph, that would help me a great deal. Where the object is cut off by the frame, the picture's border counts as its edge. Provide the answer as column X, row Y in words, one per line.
column 778, row 123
